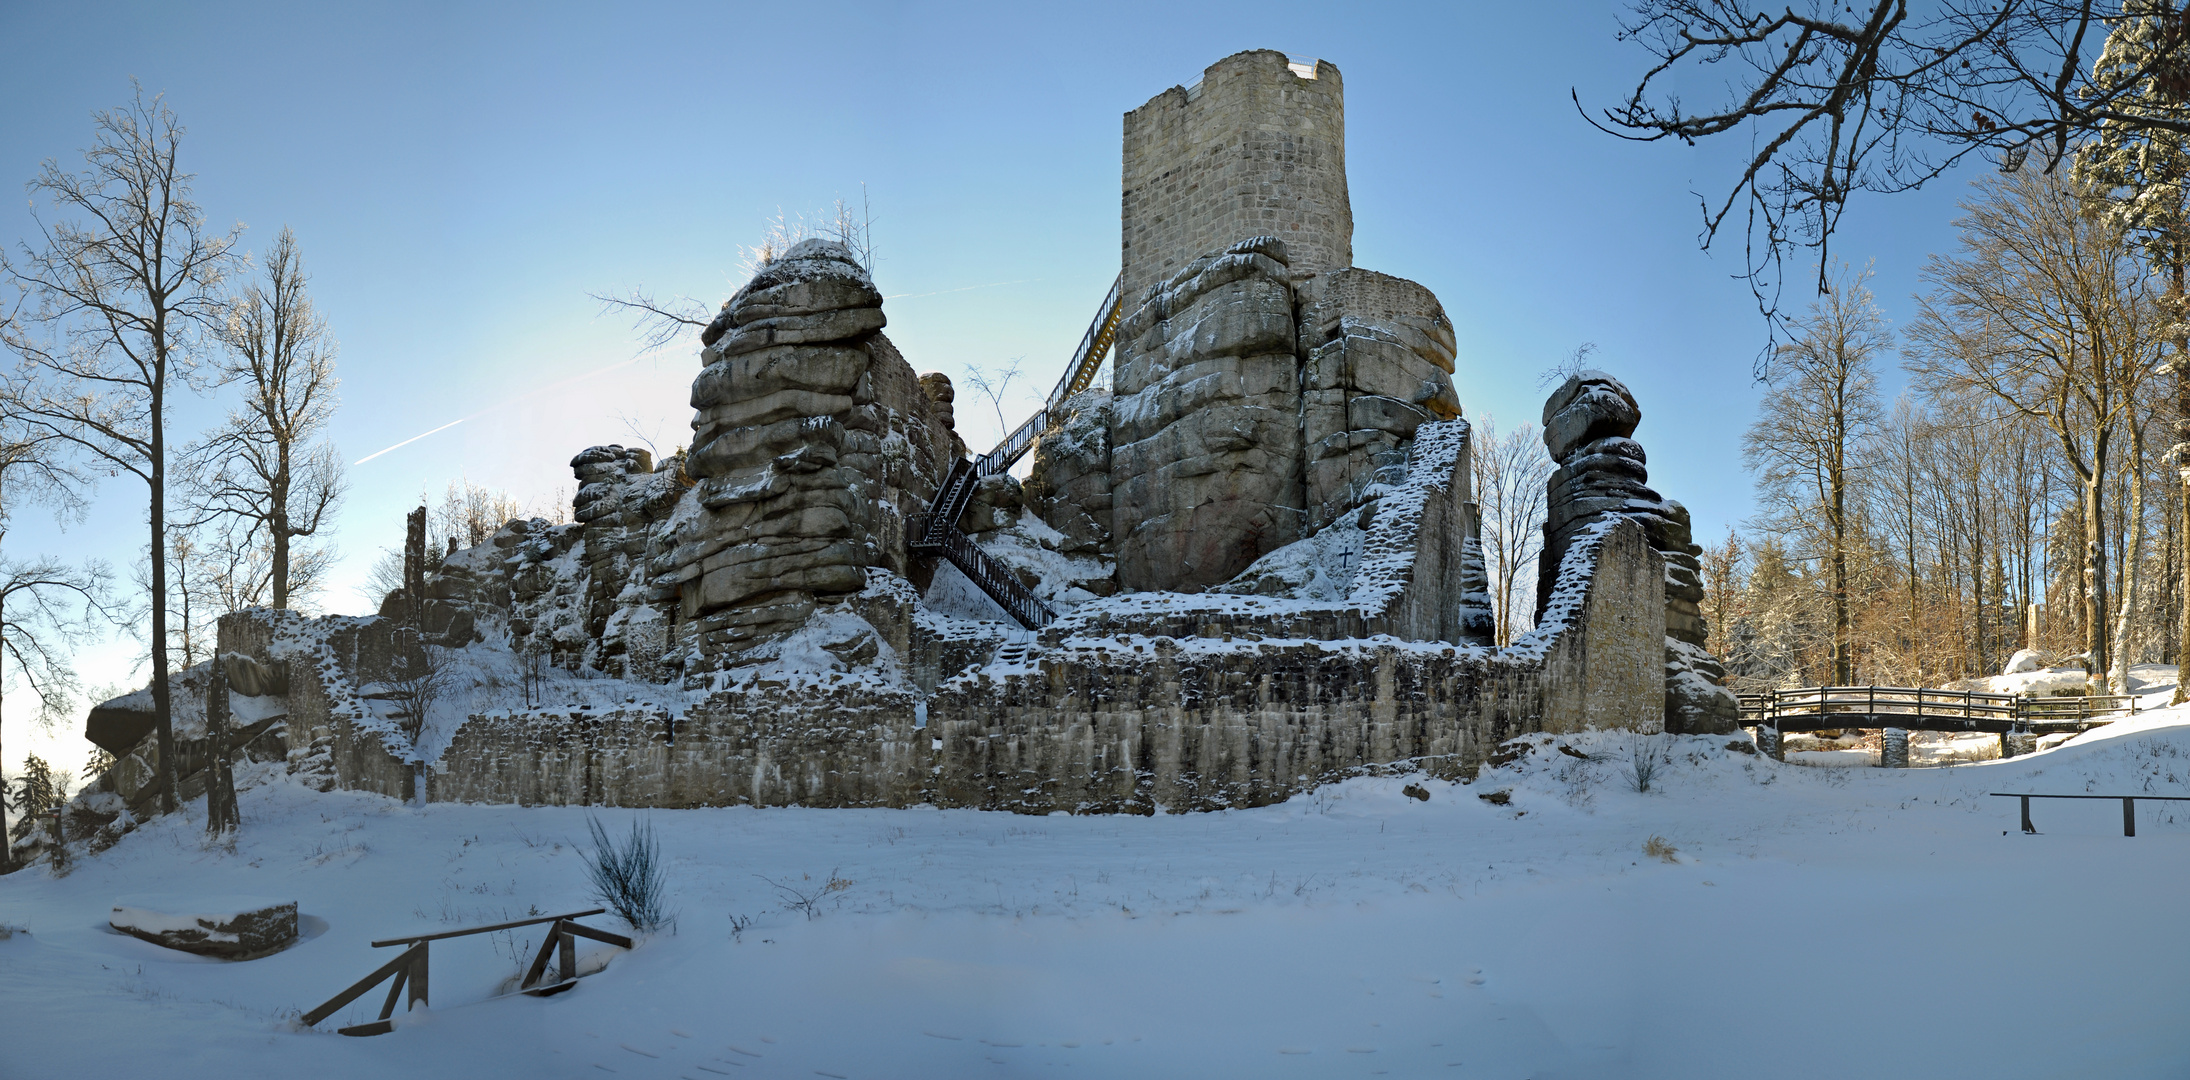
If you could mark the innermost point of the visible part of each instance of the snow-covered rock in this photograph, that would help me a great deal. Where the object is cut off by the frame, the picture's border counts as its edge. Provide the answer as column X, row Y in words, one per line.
column 2023, row 660
column 229, row 927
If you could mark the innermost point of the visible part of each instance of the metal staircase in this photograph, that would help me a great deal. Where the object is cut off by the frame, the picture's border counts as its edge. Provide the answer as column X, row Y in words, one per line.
column 936, row 532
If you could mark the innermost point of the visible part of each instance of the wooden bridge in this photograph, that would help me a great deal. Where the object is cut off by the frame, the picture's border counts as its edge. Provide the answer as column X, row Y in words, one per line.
column 1824, row 708
column 1910, row 708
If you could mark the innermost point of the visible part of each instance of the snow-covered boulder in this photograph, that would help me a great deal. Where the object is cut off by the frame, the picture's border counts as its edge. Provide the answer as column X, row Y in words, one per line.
column 2024, row 660
column 229, row 927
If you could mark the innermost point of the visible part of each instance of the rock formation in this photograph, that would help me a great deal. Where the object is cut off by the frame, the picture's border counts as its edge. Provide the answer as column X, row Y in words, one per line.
column 1205, row 426
column 812, row 444
column 1601, row 474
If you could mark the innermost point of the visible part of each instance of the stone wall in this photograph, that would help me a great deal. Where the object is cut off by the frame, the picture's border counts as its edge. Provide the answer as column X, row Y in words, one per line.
column 1256, row 148
column 1100, row 723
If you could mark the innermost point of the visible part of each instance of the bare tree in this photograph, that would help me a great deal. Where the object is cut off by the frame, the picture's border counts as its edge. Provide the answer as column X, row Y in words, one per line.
column 1510, row 473
column 1837, row 98
column 1723, row 567
column 46, row 611
column 1806, row 444
column 660, row 321
column 270, row 478
column 2046, row 309
column 468, row 515
column 993, row 383
column 114, row 301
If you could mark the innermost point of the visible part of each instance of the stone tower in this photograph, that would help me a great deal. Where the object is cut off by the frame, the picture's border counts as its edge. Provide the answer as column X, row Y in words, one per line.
column 1257, row 147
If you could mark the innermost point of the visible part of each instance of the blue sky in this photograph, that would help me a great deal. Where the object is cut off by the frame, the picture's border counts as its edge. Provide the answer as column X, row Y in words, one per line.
column 459, row 176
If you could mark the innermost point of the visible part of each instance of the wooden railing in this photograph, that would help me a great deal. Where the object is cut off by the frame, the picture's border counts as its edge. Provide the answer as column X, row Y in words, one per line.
column 1812, row 708
column 409, row 968
column 2129, row 806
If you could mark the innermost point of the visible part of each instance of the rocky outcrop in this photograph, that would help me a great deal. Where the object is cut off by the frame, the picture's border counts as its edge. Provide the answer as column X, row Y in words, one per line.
column 813, row 443
column 622, row 500
column 1601, row 474
column 1069, row 484
column 1379, row 361
column 1205, row 426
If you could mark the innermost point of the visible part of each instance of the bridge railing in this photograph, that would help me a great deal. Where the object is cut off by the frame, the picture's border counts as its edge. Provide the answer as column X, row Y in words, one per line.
column 1813, row 708
column 2086, row 707
column 1908, row 701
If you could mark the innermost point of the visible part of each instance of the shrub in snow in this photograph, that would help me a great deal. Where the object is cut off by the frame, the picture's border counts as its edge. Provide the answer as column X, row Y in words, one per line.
column 627, row 876
column 1646, row 754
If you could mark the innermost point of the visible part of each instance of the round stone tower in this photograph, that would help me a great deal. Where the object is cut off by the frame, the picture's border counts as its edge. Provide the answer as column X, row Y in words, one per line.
column 1257, row 147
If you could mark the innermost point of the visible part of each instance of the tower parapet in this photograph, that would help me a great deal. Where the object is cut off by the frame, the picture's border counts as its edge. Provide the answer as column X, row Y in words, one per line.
column 1257, row 147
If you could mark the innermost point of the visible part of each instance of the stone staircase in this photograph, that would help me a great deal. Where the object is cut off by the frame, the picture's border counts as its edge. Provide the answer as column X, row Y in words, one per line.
column 936, row 532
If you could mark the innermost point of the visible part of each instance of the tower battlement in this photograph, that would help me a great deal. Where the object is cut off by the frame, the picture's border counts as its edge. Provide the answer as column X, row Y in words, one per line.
column 1257, row 147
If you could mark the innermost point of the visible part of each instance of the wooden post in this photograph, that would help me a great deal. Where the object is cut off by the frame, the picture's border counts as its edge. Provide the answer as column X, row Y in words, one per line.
column 2027, row 826
column 567, row 953
column 2129, row 816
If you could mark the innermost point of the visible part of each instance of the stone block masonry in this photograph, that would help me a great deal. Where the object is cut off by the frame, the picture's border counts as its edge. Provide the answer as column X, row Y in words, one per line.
column 1256, row 148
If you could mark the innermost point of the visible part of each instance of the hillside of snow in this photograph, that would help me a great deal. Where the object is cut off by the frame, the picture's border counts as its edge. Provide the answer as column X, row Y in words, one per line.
column 1806, row 922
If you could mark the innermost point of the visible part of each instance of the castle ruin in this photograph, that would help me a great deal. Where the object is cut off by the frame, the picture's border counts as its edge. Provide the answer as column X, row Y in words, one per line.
column 1248, row 567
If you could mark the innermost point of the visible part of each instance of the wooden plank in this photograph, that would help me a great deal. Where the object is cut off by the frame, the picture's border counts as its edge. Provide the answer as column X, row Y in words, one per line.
column 395, row 990
column 484, row 929
column 540, row 960
column 356, row 990
column 377, row 1027
column 568, row 954
column 617, row 940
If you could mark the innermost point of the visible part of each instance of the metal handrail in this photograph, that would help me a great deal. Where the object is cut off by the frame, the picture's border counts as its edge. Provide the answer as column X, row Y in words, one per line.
column 1079, row 374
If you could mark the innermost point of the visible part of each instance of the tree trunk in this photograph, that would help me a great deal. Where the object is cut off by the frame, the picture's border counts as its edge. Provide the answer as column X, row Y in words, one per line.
column 2132, row 553
column 277, row 520
column 1843, row 669
column 2179, row 454
column 163, row 717
column 2094, row 573
column 7, row 843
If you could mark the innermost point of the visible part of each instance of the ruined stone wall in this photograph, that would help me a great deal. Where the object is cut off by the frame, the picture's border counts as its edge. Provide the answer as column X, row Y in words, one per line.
column 776, row 744
column 1094, row 723
column 1256, row 148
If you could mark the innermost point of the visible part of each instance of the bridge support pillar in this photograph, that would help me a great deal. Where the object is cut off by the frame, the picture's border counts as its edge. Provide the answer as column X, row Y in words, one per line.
column 1893, row 748
column 2017, row 743
column 1769, row 742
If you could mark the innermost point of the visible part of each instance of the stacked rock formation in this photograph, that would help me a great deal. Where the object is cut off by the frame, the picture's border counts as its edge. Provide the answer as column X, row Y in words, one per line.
column 1602, row 473
column 622, row 498
column 812, row 444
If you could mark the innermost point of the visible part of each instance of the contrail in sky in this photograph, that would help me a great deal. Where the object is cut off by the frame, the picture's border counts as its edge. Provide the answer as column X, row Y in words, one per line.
column 534, row 392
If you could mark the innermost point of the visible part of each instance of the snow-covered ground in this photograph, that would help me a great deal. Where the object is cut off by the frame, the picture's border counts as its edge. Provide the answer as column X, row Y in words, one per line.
column 1809, row 923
